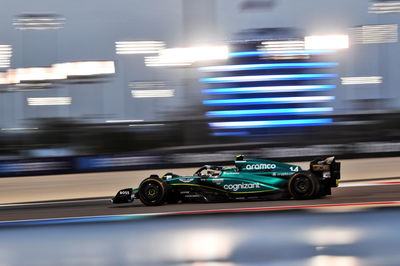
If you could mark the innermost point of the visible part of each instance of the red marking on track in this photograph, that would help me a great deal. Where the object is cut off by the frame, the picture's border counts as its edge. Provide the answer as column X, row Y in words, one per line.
column 383, row 183
column 257, row 209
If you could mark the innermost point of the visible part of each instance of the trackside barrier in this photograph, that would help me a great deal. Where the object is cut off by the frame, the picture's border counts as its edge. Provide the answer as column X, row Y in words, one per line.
column 116, row 162
column 42, row 166
column 194, row 157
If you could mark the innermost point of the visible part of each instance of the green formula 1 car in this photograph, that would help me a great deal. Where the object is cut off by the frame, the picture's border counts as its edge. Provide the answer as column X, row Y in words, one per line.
column 250, row 179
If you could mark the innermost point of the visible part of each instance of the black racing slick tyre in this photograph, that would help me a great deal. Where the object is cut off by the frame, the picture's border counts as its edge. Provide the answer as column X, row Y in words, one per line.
column 304, row 185
column 153, row 191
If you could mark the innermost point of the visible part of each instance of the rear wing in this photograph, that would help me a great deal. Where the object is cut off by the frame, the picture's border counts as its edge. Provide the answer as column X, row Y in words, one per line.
column 326, row 168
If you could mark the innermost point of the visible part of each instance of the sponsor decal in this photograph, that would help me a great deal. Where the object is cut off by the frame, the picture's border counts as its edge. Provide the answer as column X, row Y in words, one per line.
column 282, row 174
column 236, row 187
column 260, row 166
column 326, row 175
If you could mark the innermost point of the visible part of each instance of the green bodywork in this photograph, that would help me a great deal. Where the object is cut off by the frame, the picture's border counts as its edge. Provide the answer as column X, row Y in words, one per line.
column 249, row 179
column 248, row 176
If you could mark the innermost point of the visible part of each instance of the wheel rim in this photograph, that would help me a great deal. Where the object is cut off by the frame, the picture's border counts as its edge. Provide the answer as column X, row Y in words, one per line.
column 152, row 191
column 302, row 185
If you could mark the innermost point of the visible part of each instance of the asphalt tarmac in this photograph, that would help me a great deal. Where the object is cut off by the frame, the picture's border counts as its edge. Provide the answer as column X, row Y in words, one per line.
column 69, row 220
column 351, row 193
column 341, row 233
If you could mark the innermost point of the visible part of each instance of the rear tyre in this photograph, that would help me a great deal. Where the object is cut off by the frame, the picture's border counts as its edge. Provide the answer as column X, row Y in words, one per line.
column 303, row 185
column 153, row 191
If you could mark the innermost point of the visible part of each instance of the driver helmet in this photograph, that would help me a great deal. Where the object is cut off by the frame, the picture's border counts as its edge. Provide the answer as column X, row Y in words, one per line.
column 239, row 157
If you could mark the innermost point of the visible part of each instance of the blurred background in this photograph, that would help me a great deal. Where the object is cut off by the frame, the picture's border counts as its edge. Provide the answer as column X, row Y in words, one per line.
column 169, row 81
column 97, row 85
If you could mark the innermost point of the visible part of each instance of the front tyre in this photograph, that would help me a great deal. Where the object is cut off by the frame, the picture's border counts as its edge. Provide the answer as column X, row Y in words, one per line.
column 153, row 191
column 304, row 185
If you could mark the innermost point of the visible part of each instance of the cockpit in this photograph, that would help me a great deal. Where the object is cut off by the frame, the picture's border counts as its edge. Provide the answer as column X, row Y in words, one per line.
column 209, row 171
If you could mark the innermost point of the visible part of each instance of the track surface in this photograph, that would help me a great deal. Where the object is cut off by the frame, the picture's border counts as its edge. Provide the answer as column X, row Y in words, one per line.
column 103, row 206
column 106, row 184
column 351, row 235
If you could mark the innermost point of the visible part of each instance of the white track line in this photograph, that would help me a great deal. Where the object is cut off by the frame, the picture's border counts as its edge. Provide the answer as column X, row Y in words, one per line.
column 368, row 184
column 49, row 202
column 121, row 217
